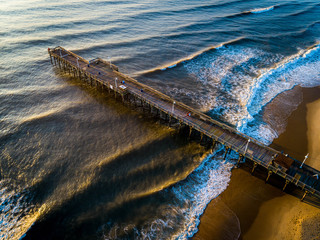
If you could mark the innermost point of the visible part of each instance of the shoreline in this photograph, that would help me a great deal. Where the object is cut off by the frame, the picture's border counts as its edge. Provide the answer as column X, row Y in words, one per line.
column 261, row 210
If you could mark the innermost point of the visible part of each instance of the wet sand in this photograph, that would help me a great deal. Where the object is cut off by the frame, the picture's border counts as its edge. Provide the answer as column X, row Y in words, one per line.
column 256, row 210
column 313, row 133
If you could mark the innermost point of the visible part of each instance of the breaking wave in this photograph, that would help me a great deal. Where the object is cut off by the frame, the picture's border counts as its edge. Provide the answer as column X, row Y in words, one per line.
column 224, row 78
column 262, row 10
column 180, row 218
column 302, row 69
column 236, row 82
column 16, row 213
column 188, row 58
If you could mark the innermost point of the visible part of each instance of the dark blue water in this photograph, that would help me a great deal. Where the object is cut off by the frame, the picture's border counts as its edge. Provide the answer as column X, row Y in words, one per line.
column 76, row 164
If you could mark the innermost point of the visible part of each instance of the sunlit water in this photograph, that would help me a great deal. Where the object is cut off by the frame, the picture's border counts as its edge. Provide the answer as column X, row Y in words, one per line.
column 76, row 164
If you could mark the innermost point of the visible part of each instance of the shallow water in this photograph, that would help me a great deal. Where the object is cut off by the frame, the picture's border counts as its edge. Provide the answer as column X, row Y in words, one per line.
column 76, row 164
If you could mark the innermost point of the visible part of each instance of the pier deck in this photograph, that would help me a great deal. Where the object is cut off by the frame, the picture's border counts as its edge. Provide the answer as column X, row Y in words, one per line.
column 106, row 76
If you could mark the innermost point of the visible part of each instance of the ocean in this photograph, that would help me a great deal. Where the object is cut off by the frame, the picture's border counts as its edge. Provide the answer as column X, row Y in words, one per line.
column 77, row 164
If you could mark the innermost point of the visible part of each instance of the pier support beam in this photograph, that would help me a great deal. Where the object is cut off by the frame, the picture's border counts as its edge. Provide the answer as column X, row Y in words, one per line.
column 180, row 124
column 269, row 174
column 254, row 167
column 59, row 63
column 50, row 55
column 149, row 107
column 108, row 88
column 190, row 131
column 226, row 153
column 285, row 185
column 239, row 160
column 304, row 195
column 134, row 101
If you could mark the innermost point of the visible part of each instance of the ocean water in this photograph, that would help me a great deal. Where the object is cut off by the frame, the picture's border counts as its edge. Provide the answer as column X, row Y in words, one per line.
column 77, row 164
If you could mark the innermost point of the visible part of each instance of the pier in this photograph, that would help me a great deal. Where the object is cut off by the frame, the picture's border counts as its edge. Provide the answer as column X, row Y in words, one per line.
column 105, row 76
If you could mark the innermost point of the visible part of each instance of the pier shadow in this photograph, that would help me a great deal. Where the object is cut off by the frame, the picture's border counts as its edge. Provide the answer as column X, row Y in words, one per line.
column 117, row 192
column 143, row 115
column 115, row 103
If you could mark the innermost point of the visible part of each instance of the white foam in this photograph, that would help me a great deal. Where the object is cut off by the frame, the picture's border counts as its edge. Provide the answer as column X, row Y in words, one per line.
column 224, row 78
column 206, row 183
column 301, row 69
column 261, row 10
column 235, row 83
column 171, row 66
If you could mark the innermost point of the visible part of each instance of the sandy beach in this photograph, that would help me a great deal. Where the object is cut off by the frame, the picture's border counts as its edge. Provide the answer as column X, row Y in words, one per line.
column 256, row 210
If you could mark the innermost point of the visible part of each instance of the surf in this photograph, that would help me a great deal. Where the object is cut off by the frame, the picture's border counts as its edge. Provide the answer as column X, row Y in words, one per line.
column 300, row 69
column 186, row 59
column 191, row 196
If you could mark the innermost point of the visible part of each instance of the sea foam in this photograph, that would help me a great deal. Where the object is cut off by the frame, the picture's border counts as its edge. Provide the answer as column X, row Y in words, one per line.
column 236, row 82
column 261, row 10
column 301, row 69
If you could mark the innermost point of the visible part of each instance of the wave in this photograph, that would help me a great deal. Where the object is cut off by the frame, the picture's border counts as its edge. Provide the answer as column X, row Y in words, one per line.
column 56, row 24
column 52, row 26
column 313, row 25
column 308, row 9
column 262, row 10
column 210, row 6
column 183, row 10
column 179, row 219
column 298, row 33
column 188, row 58
column 205, row 184
column 16, row 213
column 223, row 77
column 27, row 90
column 44, row 114
column 235, row 82
column 74, row 35
column 56, row 6
column 18, row 116
column 253, row 11
column 301, row 69
column 133, row 180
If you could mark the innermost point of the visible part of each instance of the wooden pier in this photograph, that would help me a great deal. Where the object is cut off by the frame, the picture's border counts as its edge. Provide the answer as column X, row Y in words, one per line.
column 106, row 77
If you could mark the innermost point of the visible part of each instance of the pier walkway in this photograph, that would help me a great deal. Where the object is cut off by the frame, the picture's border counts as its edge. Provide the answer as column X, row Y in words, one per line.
column 106, row 76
